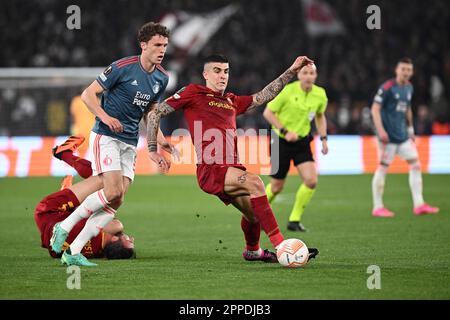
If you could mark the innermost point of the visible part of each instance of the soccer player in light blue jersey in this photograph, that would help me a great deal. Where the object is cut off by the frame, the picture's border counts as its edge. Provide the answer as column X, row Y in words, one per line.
column 392, row 116
column 129, row 88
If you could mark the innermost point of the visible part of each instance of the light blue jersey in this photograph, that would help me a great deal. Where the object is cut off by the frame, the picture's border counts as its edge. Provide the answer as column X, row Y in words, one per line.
column 395, row 99
column 129, row 93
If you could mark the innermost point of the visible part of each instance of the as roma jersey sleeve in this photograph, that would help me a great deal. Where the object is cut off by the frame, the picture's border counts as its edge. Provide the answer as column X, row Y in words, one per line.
column 182, row 98
column 242, row 103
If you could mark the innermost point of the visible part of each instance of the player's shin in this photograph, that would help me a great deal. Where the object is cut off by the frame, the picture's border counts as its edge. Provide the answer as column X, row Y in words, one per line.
column 94, row 225
column 378, row 182
column 252, row 232
column 90, row 205
column 266, row 218
column 302, row 198
column 415, row 184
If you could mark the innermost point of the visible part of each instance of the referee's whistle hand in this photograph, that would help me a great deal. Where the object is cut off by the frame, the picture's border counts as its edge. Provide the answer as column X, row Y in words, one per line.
column 291, row 136
column 324, row 147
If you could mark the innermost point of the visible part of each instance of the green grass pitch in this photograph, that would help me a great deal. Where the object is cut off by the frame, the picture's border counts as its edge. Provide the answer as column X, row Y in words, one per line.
column 189, row 245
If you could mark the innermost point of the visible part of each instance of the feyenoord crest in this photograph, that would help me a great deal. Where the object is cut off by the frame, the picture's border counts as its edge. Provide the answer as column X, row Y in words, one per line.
column 156, row 88
column 107, row 161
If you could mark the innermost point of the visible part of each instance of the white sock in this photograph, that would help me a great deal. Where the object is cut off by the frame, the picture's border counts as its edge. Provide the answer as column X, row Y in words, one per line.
column 378, row 186
column 90, row 205
column 415, row 184
column 94, row 225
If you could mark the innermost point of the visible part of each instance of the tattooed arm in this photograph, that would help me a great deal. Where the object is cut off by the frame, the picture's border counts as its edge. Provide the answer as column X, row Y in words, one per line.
column 274, row 88
column 154, row 116
column 161, row 139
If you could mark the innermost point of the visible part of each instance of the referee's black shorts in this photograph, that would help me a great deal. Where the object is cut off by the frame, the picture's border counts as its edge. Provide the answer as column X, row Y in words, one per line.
column 299, row 152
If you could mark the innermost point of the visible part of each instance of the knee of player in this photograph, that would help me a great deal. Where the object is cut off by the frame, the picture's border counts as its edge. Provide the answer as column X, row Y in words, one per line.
column 276, row 187
column 114, row 194
column 311, row 182
column 255, row 184
column 414, row 165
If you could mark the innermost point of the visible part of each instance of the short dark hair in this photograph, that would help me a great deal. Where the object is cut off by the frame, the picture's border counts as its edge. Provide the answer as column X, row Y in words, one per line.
column 405, row 60
column 150, row 29
column 215, row 58
column 116, row 250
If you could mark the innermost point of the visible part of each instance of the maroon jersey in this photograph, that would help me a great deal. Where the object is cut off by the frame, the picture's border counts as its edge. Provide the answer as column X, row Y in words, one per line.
column 55, row 208
column 211, row 118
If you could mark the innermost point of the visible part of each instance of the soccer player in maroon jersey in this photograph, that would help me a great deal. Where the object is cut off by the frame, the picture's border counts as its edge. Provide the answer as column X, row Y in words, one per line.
column 111, row 242
column 210, row 111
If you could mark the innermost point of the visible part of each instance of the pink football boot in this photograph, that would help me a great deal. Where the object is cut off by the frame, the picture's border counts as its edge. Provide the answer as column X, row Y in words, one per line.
column 382, row 212
column 425, row 209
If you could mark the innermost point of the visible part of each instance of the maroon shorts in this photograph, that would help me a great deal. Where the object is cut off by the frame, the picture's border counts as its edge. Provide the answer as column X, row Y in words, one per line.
column 211, row 179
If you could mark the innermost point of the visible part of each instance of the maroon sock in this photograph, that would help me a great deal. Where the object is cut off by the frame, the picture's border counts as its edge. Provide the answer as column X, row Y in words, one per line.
column 263, row 212
column 68, row 157
column 252, row 231
column 82, row 166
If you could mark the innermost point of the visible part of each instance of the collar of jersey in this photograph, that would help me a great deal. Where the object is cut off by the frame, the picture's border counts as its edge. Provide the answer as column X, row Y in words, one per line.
column 206, row 90
column 142, row 68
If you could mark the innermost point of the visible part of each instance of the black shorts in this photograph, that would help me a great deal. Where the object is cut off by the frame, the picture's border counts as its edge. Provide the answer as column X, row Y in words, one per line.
column 299, row 152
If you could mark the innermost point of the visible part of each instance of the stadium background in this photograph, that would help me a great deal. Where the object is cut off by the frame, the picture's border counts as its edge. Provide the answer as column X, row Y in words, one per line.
column 261, row 38
column 188, row 244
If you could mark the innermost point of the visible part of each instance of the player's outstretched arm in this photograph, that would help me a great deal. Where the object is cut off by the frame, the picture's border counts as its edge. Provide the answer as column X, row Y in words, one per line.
column 161, row 139
column 274, row 88
column 154, row 117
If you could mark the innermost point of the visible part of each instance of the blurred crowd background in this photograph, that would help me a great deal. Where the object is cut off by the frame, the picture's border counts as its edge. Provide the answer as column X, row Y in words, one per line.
column 261, row 39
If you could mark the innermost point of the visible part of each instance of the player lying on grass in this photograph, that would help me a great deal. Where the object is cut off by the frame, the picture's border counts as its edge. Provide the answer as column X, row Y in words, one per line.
column 111, row 242
column 210, row 111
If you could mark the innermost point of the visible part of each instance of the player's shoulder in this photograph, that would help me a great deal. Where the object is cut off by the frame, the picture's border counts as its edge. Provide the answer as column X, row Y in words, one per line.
column 320, row 91
column 197, row 88
column 186, row 90
column 127, row 61
column 161, row 69
column 410, row 85
column 388, row 84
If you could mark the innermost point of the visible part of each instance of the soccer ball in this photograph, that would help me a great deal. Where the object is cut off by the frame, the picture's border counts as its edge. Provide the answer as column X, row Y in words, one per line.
column 292, row 253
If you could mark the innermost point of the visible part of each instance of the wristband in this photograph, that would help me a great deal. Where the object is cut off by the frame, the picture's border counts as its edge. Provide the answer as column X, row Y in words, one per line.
column 411, row 130
column 283, row 131
column 323, row 138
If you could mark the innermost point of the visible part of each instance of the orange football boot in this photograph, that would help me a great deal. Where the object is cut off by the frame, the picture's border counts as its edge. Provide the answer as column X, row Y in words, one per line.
column 66, row 182
column 71, row 144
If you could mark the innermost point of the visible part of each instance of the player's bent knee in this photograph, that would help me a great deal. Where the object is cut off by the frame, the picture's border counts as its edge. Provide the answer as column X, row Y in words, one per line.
column 255, row 185
column 311, row 182
column 276, row 187
column 114, row 194
column 414, row 164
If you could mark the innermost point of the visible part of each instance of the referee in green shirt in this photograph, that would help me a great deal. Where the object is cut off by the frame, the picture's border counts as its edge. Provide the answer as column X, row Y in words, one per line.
column 290, row 114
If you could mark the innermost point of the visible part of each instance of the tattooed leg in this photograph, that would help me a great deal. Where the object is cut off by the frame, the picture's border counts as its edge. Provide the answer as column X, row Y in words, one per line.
column 243, row 178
